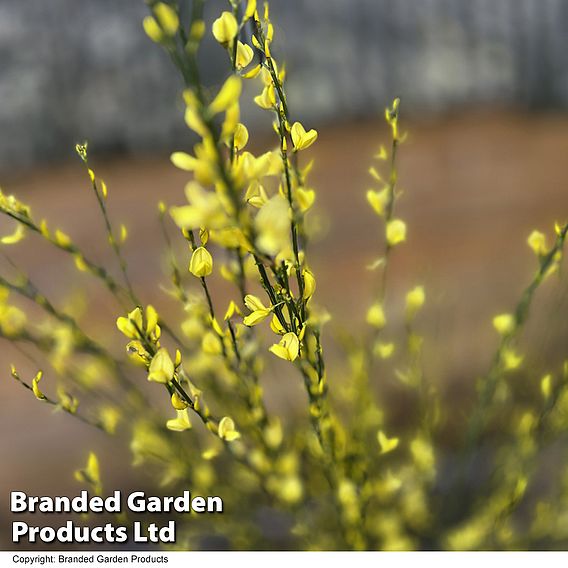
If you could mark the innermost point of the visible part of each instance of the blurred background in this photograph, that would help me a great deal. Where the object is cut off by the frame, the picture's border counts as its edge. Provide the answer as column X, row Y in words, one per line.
column 484, row 89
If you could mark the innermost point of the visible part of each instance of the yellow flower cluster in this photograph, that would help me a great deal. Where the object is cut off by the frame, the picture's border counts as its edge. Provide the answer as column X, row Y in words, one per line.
column 341, row 468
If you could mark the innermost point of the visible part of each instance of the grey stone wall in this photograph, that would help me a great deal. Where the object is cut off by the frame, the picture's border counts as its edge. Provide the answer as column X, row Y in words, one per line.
column 74, row 69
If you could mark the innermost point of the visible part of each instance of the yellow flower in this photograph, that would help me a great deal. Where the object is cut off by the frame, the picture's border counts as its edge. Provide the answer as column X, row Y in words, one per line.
column 167, row 18
column 225, row 28
column 152, row 29
column 67, row 402
column 272, row 225
column 396, row 232
column 379, row 200
column 546, row 386
column 309, row 284
column 131, row 326
column 253, row 72
column 376, row 316
column 251, row 168
column 305, row 198
column 244, row 55
column 15, row 237
column 250, row 9
column 205, row 209
column 504, row 324
column 511, row 360
column 266, row 99
column 232, row 310
column 201, row 263
column 232, row 117
column 91, row 473
column 302, row 139
column 211, row 344
column 537, row 242
column 241, row 136
column 37, row 392
column 288, row 348
column 109, row 418
column 385, row 443
column 151, row 319
column 197, row 31
column 193, row 120
column 256, row 195
column 177, row 402
column 227, row 95
column 276, row 326
column 180, row 423
column 227, row 430
column 383, row 350
column 423, row 454
column 12, row 320
column 183, row 161
column 391, row 116
column 62, row 240
column 259, row 311
column 414, row 301
column 161, row 368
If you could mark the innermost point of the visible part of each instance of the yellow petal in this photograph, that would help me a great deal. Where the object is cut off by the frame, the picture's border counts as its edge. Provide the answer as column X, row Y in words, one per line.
column 241, row 136
column 276, row 326
column 211, row 344
column 376, row 316
column 250, row 9
column 288, row 348
column 167, row 18
column 395, row 232
column 152, row 29
column 227, row 430
column 201, row 263
column 135, row 316
column 384, row 350
column 511, row 360
column 225, row 28
column 91, row 473
column 15, row 237
column 253, row 72
column 254, row 303
column 127, row 328
column 379, row 200
column 80, row 263
column 301, row 138
column 415, row 300
column 123, row 233
column 256, row 317
column 180, row 423
column 244, row 55
column 37, row 392
column 193, row 120
column 386, row 444
column 183, row 161
column 151, row 319
column 161, row 368
column 228, row 95
column 305, row 198
column 267, row 99
column 62, row 240
column 504, row 323
column 232, row 310
column 309, row 284
column 546, row 386
column 537, row 242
